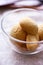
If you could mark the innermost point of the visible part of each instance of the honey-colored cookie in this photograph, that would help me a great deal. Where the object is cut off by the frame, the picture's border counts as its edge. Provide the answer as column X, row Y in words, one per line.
column 40, row 31
column 19, row 34
column 29, row 26
column 32, row 46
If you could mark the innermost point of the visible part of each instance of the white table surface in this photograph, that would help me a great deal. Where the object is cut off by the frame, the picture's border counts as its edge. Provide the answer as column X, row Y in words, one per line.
column 10, row 57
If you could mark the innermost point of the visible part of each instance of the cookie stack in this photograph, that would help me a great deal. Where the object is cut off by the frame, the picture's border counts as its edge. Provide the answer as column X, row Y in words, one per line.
column 27, row 30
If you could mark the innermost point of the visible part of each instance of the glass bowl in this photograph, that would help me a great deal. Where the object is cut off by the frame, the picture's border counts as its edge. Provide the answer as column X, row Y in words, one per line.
column 13, row 17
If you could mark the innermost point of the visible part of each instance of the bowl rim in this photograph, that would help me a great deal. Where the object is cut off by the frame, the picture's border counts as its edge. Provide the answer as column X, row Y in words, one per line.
column 9, row 36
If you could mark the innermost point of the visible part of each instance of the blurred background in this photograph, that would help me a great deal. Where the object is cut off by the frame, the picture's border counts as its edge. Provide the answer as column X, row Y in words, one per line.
column 37, row 4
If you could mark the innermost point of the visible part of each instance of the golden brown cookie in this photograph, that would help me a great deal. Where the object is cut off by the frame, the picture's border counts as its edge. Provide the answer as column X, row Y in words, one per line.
column 32, row 46
column 29, row 26
column 19, row 34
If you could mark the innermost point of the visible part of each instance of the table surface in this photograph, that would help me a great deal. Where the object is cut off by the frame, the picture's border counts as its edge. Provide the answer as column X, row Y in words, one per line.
column 10, row 57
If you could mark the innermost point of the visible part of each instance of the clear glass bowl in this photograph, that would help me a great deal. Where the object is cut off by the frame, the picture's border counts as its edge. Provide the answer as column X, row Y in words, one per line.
column 13, row 17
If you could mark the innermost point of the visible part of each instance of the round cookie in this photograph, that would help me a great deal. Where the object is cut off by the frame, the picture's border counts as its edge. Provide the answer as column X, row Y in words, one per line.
column 19, row 34
column 32, row 46
column 29, row 26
